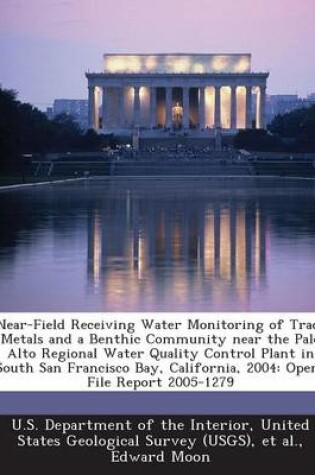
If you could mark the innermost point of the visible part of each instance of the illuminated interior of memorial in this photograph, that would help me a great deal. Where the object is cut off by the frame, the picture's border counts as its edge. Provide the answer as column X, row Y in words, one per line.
column 145, row 92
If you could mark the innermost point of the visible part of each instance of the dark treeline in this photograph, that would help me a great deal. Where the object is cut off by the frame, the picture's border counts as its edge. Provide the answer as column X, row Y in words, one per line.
column 292, row 132
column 26, row 130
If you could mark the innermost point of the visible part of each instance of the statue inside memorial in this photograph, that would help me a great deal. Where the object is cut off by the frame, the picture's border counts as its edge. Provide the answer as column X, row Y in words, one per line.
column 177, row 116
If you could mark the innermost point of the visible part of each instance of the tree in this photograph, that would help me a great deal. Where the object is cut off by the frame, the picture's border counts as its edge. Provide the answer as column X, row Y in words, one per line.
column 293, row 131
column 9, row 125
column 66, row 133
column 26, row 130
column 23, row 129
column 255, row 139
column 36, row 131
column 298, row 124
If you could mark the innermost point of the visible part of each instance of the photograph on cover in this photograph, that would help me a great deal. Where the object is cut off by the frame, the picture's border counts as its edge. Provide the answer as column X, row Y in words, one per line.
column 157, row 265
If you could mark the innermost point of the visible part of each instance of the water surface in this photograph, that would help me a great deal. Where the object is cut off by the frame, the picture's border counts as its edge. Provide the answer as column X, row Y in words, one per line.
column 159, row 244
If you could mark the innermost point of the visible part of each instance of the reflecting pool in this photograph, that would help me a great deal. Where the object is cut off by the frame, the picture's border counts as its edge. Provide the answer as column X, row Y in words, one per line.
column 129, row 244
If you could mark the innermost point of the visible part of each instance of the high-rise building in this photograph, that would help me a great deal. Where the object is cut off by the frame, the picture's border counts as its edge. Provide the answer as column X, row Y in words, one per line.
column 76, row 108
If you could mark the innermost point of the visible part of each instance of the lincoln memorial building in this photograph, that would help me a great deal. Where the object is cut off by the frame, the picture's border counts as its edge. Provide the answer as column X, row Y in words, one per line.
column 193, row 93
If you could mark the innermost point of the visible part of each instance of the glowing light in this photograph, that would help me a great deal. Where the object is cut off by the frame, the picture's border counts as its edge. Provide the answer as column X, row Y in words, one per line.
column 97, row 101
column 240, row 263
column 177, row 242
column 198, row 68
column 209, row 243
column 225, row 245
column 243, row 65
column 142, row 255
column 114, row 64
column 241, row 107
column 133, row 64
column 151, row 63
column 177, row 63
column 258, row 108
column 257, row 245
column 123, row 64
column 220, row 64
column 97, row 250
column 177, row 113
column 209, row 106
column 225, row 107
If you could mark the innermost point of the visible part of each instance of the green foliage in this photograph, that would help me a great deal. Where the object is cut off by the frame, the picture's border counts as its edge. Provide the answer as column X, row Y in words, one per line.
column 298, row 124
column 35, row 131
column 9, row 125
column 26, row 130
column 294, row 131
column 253, row 139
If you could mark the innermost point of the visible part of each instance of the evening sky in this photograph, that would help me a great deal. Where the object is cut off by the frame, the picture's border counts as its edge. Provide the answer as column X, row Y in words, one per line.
column 47, row 45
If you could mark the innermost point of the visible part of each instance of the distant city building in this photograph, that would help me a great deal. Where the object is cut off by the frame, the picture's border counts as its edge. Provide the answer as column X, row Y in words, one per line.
column 50, row 113
column 281, row 104
column 188, row 92
column 76, row 108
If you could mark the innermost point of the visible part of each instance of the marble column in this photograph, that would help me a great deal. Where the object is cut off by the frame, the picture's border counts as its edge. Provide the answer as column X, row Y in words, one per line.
column 263, row 107
column 202, row 107
column 186, row 107
column 121, row 107
column 104, row 107
column 233, row 108
column 136, row 106
column 153, row 107
column 248, row 107
column 92, row 123
column 217, row 106
column 168, row 107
